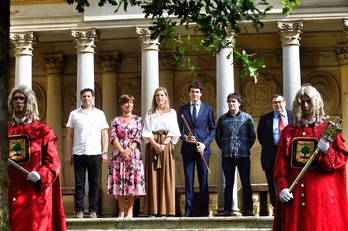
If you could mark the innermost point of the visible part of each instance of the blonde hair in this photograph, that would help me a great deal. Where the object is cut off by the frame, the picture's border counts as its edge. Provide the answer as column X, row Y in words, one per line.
column 317, row 109
column 166, row 104
column 32, row 110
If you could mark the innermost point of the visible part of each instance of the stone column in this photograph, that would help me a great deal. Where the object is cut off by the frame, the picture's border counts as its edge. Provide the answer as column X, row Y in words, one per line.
column 225, row 86
column 85, row 40
column 23, row 43
column 108, row 64
column 53, row 66
column 290, row 37
column 149, row 68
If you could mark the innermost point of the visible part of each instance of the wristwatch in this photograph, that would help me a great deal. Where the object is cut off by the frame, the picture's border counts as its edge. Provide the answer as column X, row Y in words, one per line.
column 165, row 143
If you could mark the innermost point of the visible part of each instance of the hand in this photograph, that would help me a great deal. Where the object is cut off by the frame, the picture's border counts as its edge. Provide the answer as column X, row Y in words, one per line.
column 191, row 139
column 200, row 147
column 323, row 145
column 285, row 195
column 104, row 158
column 34, row 176
column 69, row 160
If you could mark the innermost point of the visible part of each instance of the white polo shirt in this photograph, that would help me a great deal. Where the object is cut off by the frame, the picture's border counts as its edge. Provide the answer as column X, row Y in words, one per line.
column 87, row 130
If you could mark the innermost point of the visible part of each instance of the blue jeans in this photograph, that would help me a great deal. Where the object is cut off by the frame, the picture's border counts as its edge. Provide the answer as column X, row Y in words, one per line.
column 82, row 164
column 229, row 165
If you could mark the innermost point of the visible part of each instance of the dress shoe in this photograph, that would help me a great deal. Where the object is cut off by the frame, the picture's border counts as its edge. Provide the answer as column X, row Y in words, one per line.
column 187, row 214
column 79, row 214
column 92, row 214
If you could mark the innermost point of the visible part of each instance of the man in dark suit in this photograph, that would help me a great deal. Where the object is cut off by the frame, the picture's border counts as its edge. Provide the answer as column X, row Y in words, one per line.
column 268, row 133
column 196, row 146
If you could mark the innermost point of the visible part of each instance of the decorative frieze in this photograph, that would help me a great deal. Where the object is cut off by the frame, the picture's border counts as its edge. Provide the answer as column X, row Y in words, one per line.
column 53, row 64
column 108, row 62
column 342, row 55
column 290, row 32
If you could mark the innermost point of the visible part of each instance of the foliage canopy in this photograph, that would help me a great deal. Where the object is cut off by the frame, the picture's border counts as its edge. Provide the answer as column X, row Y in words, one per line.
column 213, row 20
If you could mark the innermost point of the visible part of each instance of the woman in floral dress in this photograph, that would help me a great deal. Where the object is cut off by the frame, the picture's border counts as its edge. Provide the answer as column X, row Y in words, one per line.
column 126, row 172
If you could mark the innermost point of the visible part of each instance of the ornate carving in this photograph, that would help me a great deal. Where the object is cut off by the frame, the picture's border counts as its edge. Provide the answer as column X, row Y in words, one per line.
column 132, row 86
column 145, row 37
column 53, row 64
column 328, row 88
column 85, row 40
column 342, row 55
column 41, row 99
column 257, row 97
column 108, row 62
column 23, row 43
column 290, row 32
column 166, row 61
column 345, row 26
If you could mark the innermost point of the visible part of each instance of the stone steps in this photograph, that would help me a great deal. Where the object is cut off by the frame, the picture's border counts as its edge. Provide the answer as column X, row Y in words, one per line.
column 234, row 223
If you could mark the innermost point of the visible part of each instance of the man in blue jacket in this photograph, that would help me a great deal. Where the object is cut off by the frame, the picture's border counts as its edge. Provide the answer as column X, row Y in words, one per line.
column 196, row 146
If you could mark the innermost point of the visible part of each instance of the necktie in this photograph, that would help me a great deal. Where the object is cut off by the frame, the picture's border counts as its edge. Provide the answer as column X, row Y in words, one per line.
column 281, row 123
column 194, row 113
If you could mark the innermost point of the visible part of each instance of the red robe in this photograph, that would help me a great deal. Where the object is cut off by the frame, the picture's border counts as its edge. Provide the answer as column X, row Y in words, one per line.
column 320, row 197
column 36, row 206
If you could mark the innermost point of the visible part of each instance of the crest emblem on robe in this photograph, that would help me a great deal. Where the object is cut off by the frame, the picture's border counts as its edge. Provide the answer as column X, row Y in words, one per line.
column 19, row 148
column 302, row 148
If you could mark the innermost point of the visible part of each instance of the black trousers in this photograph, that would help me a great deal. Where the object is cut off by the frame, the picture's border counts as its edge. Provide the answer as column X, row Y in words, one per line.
column 82, row 165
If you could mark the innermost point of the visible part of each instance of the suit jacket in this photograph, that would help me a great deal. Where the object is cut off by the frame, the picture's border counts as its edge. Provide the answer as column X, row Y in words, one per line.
column 265, row 137
column 203, row 129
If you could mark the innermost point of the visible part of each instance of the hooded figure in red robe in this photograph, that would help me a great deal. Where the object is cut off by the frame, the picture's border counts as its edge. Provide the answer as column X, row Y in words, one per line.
column 34, row 200
column 319, row 200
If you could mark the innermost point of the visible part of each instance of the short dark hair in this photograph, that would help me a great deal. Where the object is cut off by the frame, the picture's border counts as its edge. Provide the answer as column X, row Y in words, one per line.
column 87, row 89
column 125, row 99
column 276, row 96
column 236, row 96
column 195, row 85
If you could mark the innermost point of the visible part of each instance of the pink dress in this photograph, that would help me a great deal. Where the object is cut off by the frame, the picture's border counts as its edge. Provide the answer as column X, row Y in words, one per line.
column 126, row 178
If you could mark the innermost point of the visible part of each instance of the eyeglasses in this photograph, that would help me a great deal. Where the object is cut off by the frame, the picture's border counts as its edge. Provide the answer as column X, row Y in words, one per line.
column 277, row 102
column 19, row 98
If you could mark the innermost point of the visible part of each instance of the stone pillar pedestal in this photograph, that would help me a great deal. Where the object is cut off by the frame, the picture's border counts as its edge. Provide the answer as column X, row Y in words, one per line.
column 85, row 40
column 290, row 37
column 149, row 68
column 23, row 43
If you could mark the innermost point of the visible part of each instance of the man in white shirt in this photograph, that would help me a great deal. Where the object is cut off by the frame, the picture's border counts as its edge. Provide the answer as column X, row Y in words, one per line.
column 86, row 148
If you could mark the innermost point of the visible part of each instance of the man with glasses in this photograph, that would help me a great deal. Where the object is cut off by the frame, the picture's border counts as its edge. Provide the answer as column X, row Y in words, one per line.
column 268, row 133
column 34, row 197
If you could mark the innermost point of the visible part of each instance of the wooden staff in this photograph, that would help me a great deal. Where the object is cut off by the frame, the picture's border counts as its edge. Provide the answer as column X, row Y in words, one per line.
column 191, row 134
column 331, row 131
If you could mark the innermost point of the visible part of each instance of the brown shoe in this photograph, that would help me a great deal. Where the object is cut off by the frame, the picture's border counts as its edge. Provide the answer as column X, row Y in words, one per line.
column 79, row 214
column 92, row 214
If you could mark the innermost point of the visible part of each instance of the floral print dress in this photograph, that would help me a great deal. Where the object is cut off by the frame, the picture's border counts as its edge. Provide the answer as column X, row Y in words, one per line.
column 126, row 178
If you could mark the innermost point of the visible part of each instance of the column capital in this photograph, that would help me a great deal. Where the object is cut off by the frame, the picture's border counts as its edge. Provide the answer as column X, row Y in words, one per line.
column 108, row 62
column 342, row 55
column 345, row 26
column 230, row 35
column 53, row 64
column 85, row 40
column 290, row 32
column 23, row 43
column 145, row 37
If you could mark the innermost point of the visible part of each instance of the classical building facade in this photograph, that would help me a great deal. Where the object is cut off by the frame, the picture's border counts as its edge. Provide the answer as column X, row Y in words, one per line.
column 58, row 51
